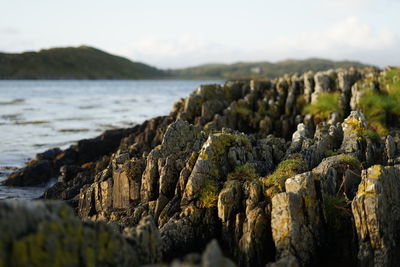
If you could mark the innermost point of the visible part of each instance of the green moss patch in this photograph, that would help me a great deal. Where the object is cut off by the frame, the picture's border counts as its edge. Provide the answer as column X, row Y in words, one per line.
column 244, row 172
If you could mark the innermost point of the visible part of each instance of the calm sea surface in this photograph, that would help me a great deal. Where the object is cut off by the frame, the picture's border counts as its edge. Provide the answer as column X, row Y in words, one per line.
column 38, row 115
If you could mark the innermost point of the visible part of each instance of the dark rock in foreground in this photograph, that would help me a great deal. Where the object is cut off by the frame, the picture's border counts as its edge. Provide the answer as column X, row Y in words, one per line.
column 48, row 234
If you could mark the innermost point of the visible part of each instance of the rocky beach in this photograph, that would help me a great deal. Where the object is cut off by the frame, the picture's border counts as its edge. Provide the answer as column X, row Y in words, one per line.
column 300, row 170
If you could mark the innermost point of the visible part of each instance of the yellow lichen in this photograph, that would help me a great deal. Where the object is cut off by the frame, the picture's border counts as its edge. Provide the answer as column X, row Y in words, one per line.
column 366, row 188
column 375, row 172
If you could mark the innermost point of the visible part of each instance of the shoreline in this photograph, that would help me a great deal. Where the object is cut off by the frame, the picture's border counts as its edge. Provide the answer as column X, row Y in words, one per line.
column 241, row 163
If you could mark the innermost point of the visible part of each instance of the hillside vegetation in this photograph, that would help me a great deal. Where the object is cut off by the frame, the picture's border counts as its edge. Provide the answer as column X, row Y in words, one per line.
column 243, row 70
column 73, row 63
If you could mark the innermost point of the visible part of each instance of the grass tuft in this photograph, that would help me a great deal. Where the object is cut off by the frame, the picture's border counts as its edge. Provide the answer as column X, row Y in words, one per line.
column 337, row 210
column 275, row 182
column 244, row 172
column 382, row 108
column 209, row 194
column 326, row 104
column 349, row 160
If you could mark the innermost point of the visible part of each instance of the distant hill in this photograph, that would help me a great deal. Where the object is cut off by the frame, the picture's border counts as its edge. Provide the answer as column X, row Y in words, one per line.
column 73, row 63
column 90, row 63
column 260, row 69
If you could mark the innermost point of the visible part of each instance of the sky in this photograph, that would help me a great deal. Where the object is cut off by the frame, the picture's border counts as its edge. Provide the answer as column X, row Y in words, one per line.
column 182, row 33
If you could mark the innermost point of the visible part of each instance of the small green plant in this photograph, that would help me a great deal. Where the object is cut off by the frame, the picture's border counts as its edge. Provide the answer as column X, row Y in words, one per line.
column 371, row 134
column 326, row 104
column 349, row 160
column 244, row 172
column 336, row 210
column 330, row 153
column 208, row 195
column 243, row 111
column 275, row 182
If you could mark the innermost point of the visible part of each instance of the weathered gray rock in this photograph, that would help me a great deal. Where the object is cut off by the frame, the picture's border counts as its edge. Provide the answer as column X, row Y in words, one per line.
column 147, row 240
column 179, row 138
column 300, row 134
column 229, row 200
column 352, row 127
column 377, row 217
column 345, row 81
column 323, row 84
column 390, row 147
column 212, row 256
column 297, row 220
column 339, row 172
column 308, row 85
column 210, row 108
column 188, row 231
column 253, row 244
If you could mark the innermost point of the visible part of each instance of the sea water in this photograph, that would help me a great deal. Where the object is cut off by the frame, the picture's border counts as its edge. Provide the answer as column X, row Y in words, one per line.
column 37, row 115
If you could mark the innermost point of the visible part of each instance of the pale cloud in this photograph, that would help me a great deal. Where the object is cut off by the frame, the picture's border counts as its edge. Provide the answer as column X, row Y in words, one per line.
column 347, row 39
column 9, row 31
column 182, row 51
column 349, row 33
column 354, row 5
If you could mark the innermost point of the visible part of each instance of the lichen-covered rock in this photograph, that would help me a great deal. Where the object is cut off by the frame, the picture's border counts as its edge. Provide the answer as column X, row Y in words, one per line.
column 297, row 220
column 377, row 217
column 352, row 127
column 48, row 234
column 213, row 163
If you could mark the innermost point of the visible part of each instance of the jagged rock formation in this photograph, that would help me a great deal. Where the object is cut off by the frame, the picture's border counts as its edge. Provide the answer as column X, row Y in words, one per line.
column 241, row 163
column 377, row 217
